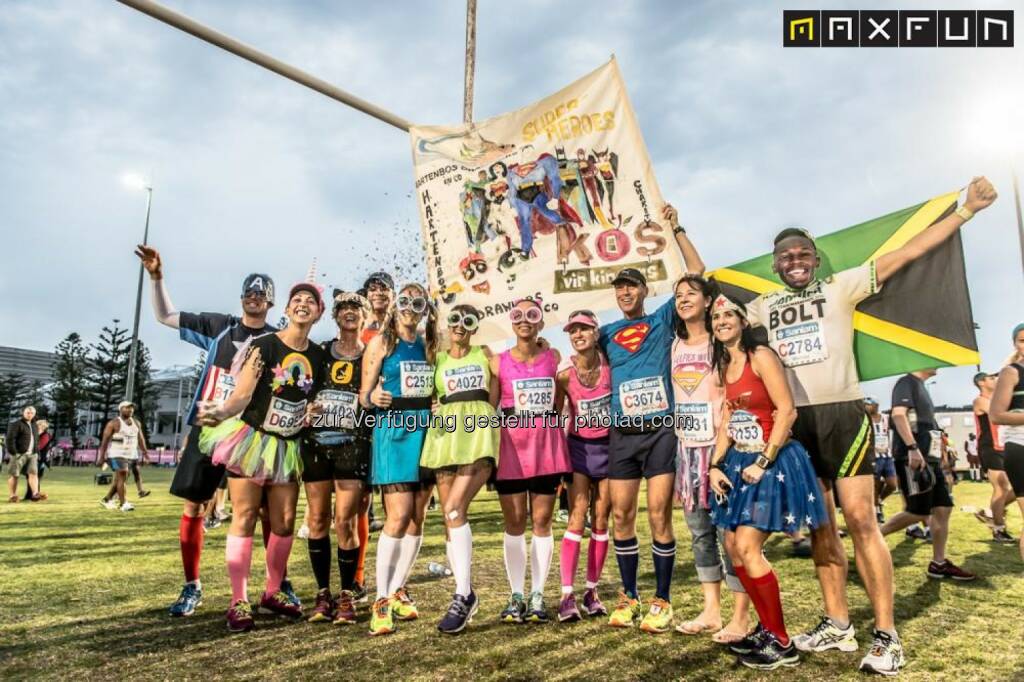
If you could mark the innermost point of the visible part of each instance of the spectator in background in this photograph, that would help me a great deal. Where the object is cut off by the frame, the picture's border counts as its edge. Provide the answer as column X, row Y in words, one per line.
column 45, row 443
column 973, row 461
column 23, row 447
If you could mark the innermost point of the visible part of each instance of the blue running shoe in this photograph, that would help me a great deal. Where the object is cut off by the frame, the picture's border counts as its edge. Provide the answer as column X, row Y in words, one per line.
column 189, row 600
column 293, row 599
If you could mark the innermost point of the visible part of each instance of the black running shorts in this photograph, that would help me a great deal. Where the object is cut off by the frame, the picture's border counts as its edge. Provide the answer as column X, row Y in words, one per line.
column 350, row 462
column 991, row 459
column 641, row 455
column 923, row 503
column 538, row 485
column 1015, row 467
column 838, row 437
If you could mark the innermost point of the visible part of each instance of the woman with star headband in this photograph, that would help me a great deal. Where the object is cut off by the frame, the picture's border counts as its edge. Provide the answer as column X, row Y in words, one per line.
column 255, row 434
column 763, row 481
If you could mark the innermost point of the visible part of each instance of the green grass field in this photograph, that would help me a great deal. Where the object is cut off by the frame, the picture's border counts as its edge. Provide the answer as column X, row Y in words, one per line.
column 84, row 593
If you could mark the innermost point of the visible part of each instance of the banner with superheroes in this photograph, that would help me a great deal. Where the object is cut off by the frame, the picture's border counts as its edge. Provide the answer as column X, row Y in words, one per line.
column 548, row 202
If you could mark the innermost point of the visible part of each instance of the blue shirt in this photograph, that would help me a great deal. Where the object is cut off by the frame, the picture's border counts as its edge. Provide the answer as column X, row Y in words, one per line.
column 405, row 371
column 640, row 357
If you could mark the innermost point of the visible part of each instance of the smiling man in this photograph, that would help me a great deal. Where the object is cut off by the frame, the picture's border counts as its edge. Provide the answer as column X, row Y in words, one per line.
column 810, row 326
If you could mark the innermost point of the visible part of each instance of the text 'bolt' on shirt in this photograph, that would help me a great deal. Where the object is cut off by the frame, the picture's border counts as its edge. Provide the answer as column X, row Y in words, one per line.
column 639, row 354
column 812, row 332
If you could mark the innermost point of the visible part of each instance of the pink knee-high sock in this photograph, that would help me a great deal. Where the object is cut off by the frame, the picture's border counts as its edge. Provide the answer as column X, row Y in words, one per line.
column 597, row 551
column 569, row 559
column 238, row 555
column 279, row 547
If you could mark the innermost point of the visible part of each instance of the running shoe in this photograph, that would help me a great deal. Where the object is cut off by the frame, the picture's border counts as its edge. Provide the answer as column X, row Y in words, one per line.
column 885, row 656
column 567, row 610
column 404, row 607
column 592, row 605
column 802, row 548
column 289, row 591
column 279, row 604
column 1002, row 537
column 460, row 612
column 947, row 569
column 658, row 618
column 345, row 609
column 211, row 522
column 771, row 654
column 536, row 612
column 189, row 600
column 14, row 499
column 127, row 507
column 626, row 612
column 143, row 493
column 985, row 519
column 382, row 621
column 515, row 610
column 376, row 526
column 752, row 642
column 239, row 617
column 106, row 504
column 827, row 635
column 562, row 516
column 918, row 532
column 303, row 532
column 359, row 593
column 323, row 608
column 39, row 497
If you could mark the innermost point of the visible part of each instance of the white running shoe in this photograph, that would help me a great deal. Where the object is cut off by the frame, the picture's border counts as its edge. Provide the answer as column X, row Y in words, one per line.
column 304, row 532
column 108, row 504
column 127, row 506
column 826, row 635
column 885, row 656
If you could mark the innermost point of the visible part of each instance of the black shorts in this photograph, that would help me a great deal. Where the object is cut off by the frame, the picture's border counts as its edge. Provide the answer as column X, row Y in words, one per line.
column 196, row 477
column 641, row 455
column 991, row 459
column 838, row 437
column 923, row 503
column 348, row 462
column 538, row 485
column 1014, row 460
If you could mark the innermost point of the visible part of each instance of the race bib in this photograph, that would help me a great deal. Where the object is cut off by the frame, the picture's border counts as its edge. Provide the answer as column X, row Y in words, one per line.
column 339, row 409
column 534, row 395
column 935, row 446
column 694, row 422
column 417, row 379
column 223, row 388
column 746, row 432
column 881, row 439
column 466, row 378
column 641, row 397
column 284, row 417
column 801, row 344
column 595, row 413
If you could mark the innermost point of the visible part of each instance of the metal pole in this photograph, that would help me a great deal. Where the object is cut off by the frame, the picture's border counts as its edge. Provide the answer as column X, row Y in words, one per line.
column 1020, row 219
column 467, row 92
column 129, row 389
column 177, row 414
column 236, row 47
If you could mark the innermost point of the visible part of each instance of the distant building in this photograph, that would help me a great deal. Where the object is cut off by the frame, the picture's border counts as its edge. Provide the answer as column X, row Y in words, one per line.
column 957, row 422
column 33, row 365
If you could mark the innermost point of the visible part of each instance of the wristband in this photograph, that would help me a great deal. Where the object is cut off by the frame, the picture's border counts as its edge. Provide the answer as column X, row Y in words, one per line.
column 965, row 213
column 720, row 465
column 912, row 446
column 678, row 229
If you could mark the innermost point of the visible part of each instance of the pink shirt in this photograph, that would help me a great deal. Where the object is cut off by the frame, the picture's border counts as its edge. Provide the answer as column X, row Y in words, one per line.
column 698, row 395
column 591, row 406
column 535, row 447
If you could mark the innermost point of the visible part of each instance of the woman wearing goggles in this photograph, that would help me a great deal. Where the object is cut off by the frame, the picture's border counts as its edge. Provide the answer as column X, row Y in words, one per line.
column 462, row 460
column 533, row 458
column 398, row 379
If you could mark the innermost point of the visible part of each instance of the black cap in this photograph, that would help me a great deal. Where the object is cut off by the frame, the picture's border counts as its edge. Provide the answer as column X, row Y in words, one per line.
column 382, row 277
column 631, row 275
column 979, row 376
column 794, row 232
column 259, row 283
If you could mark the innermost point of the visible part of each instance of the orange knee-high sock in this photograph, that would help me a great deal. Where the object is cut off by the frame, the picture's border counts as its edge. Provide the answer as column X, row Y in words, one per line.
column 363, row 530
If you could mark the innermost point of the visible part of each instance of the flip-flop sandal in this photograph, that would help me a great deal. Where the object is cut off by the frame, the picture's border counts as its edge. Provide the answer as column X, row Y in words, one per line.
column 724, row 636
column 694, row 627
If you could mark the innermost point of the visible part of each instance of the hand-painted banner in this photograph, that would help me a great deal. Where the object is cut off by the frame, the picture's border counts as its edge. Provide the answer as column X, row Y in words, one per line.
column 548, row 202
column 922, row 317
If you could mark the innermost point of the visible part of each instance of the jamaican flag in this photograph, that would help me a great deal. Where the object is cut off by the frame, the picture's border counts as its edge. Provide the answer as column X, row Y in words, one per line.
column 922, row 317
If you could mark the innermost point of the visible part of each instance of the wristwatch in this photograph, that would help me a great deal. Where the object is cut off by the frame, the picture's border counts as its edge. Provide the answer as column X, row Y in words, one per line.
column 912, row 446
column 763, row 462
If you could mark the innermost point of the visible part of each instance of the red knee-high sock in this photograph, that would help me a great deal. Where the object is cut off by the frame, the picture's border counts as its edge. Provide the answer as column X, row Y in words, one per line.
column 768, row 602
column 363, row 531
column 190, row 535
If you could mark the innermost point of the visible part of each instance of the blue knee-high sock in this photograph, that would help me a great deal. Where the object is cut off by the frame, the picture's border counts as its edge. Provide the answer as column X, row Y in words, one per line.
column 627, row 554
column 664, row 560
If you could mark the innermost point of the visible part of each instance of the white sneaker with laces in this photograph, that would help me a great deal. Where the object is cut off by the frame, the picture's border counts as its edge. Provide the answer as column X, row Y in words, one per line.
column 304, row 532
column 885, row 656
column 826, row 635
column 127, row 507
column 108, row 504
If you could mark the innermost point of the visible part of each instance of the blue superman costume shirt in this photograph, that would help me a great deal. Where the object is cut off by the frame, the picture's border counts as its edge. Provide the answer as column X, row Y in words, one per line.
column 639, row 354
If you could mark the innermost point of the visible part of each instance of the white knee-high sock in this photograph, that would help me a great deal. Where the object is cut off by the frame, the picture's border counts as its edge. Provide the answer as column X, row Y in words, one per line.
column 406, row 559
column 541, row 551
column 461, row 558
column 388, row 549
column 515, row 562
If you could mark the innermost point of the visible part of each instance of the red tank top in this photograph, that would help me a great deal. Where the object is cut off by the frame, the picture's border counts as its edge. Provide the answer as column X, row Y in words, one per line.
column 751, row 407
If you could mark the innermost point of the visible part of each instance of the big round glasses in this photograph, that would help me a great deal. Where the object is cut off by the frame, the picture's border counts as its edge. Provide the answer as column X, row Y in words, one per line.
column 531, row 315
column 468, row 321
column 417, row 304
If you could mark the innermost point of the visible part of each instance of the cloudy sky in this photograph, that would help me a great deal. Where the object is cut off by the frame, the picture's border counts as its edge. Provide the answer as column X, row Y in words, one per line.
column 252, row 172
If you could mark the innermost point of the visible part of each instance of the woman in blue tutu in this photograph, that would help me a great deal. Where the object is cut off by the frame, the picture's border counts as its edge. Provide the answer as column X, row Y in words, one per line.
column 763, row 480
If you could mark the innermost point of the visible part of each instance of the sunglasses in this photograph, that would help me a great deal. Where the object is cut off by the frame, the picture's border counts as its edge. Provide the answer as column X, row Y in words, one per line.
column 533, row 315
column 417, row 304
column 468, row 321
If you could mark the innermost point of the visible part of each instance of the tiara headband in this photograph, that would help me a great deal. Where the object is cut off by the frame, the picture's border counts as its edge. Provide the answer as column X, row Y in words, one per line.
column 722, row 304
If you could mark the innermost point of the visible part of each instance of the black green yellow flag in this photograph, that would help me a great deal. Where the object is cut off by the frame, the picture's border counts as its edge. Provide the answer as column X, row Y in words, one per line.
column 922, row 317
